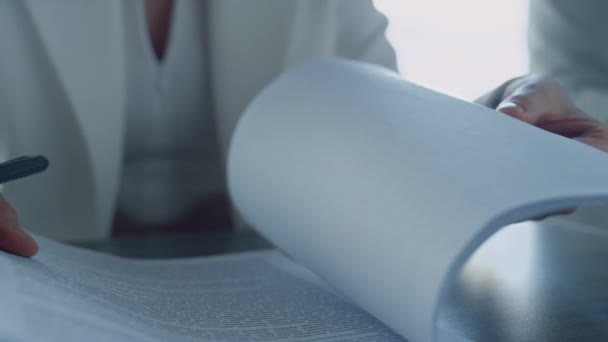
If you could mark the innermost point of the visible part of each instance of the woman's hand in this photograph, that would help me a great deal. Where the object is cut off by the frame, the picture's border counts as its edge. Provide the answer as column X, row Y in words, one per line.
column 12, row 238
column 544, row 103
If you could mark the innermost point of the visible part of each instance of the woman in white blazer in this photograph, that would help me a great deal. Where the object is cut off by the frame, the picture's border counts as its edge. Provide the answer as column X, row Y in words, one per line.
column 70, row 78
column 65, row 73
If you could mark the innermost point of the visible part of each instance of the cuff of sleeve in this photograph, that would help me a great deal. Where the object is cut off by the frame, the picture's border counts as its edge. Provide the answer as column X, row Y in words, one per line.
column 495, row 97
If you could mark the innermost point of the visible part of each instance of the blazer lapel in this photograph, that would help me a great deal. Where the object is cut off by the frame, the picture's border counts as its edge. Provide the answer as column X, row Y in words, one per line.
column 85, row 44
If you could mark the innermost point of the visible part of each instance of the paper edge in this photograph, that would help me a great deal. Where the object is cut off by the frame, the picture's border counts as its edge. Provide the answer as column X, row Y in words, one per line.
column 516, row 214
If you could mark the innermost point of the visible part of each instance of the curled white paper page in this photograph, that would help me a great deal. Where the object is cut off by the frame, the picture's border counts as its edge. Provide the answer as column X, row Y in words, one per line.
column 384, row 188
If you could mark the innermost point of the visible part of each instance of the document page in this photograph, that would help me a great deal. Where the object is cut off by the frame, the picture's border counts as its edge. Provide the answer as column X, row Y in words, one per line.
column 70, row 294
column 384, row 188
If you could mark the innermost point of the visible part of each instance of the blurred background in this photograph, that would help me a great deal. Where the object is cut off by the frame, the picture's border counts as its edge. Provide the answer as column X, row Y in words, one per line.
column 462, row 48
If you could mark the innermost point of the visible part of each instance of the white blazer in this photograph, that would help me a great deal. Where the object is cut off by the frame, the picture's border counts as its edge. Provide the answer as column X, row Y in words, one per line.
column 62, row 88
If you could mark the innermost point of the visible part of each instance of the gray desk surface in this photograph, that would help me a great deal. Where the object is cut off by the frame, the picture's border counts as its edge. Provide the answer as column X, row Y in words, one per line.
column 543, row 281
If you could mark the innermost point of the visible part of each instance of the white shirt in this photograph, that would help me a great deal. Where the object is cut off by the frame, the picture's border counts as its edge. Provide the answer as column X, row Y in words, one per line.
column 171, row 157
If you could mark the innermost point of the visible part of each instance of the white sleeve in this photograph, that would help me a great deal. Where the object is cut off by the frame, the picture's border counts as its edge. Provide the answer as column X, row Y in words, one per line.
column 567, row 41
column 361, row 33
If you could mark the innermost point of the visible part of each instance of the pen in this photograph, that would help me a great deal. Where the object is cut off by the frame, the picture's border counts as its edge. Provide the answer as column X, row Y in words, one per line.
column 22, row 167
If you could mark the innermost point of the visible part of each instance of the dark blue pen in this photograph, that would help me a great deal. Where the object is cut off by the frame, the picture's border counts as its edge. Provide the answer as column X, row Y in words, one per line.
column 22, row 167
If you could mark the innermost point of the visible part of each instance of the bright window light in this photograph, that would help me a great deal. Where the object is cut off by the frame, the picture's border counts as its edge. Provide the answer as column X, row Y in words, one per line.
column 462, row 48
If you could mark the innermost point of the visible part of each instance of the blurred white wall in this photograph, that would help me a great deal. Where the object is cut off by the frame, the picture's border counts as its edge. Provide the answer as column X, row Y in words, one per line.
column 463, row 48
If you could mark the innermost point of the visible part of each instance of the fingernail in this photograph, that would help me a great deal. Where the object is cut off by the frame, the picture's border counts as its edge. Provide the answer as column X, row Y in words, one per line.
column 510, row 106
column 21, row 231
column 516, row 111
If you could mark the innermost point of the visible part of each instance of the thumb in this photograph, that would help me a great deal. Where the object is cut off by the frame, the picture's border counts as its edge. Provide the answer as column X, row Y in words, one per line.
column 533, row 97
column 12, row 238
column 525, row 105
column 516, row 110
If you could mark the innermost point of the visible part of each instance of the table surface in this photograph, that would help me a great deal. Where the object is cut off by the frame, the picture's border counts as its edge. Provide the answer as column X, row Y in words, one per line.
column 534, row 281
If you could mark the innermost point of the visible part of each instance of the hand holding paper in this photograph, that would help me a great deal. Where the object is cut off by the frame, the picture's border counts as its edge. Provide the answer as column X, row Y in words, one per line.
column 362, row 176
column 544, row 103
